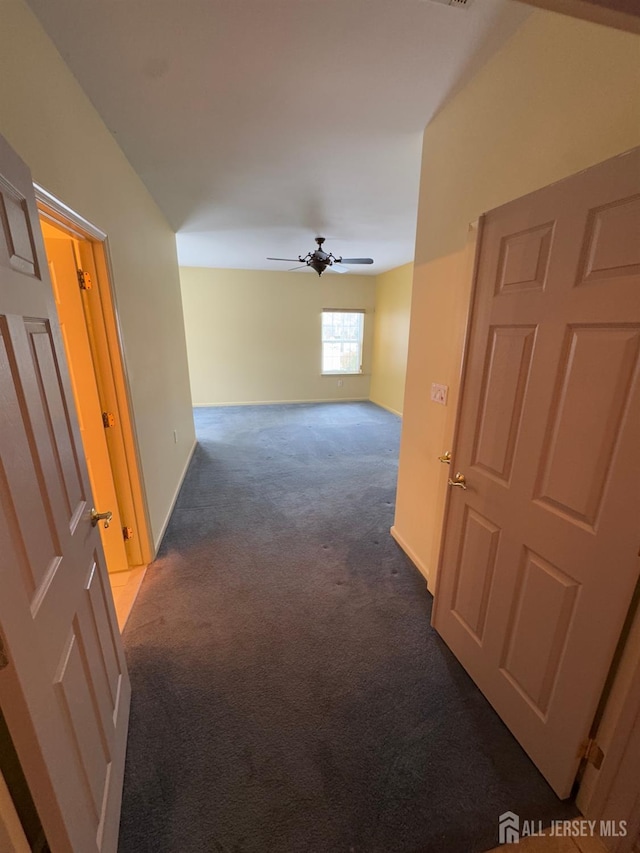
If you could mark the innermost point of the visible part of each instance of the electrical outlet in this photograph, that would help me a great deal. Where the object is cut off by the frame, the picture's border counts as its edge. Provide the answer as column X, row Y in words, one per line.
column 340, row 383
column 175, row 436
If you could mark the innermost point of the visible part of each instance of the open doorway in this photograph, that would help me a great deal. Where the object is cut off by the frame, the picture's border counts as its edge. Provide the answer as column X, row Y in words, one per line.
column 79, row 270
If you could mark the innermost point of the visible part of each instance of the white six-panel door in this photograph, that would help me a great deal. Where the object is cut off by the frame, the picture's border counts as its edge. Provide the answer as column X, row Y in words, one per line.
column 64, row 688
column 540, row 552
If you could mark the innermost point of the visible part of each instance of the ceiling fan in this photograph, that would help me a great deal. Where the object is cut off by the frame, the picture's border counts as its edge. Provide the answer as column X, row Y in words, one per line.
column 319, row 260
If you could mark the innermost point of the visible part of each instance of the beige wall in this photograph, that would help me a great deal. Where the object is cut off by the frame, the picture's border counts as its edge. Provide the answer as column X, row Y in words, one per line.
column 254, row 337
column 562, row 95
column 47, row 118
column 391, row 337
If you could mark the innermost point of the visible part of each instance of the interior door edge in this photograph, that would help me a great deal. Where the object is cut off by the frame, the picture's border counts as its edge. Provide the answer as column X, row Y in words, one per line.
column 464, row 358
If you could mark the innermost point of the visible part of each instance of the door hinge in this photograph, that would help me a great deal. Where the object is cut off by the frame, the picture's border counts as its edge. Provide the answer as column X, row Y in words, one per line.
column 591, row 753
column 127, row 533
column 108, row 420
column 4, row 658
column 84, row 280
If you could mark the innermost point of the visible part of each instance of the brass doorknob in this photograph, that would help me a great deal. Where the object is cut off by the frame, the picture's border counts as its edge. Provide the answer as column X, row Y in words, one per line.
column 459, row 480
column 446, row 457
column 101, row 516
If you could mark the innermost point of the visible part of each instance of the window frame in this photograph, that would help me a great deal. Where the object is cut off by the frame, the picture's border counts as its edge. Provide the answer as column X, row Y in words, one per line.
column 359, row 311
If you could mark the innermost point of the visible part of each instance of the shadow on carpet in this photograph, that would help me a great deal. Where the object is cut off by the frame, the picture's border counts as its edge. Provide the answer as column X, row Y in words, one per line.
column 289, row 694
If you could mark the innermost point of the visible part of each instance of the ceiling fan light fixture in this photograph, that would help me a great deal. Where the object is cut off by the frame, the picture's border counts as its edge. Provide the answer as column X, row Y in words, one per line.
column 319, row 260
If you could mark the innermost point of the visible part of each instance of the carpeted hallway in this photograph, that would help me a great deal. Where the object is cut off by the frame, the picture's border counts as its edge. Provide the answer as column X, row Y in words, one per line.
column 289, row 695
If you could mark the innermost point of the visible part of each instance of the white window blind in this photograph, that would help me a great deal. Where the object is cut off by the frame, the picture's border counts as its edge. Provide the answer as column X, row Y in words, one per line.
column 342, row 335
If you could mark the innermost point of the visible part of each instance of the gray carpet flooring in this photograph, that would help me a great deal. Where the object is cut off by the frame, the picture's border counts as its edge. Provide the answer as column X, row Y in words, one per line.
column 289, row 694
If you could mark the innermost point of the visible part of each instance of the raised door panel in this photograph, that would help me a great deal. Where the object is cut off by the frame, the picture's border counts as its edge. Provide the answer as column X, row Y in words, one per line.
column 504, row 384
column 612, row 242
column 474, row 572
column 539, row 625
column 58, row 420
column 108, row 638
column 74, row 691
column 524, row 260
column 18, row 240
column 89, row 684
column 25, row 501
column 592, row 394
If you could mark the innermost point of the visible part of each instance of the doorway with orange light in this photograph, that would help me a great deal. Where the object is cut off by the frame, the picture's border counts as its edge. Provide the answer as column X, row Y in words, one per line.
column 77, row 254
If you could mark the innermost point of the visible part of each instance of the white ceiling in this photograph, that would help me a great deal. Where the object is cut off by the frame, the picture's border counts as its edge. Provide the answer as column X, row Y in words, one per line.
column 257, row 124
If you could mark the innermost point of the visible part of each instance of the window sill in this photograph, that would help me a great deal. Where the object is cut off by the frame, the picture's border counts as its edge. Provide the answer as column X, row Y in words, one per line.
column 360, row 373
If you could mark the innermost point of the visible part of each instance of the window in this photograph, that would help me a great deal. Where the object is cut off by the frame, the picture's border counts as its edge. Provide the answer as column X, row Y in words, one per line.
column 342, row 333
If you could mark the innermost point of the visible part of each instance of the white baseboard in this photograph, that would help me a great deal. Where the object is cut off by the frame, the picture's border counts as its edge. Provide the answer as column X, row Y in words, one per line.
column 411, row 554
column 163, row 530
column 282, row 402
column 388, row 408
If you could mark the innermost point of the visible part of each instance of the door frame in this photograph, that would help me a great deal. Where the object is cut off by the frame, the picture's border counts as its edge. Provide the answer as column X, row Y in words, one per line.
column 51, row 209
column 12, row 837
column 474, row 241
column 612, row 792
column 618, row 714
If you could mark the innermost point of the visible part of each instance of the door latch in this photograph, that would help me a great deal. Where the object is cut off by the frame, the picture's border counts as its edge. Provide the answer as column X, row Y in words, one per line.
column 459, row 480
column 101, row 516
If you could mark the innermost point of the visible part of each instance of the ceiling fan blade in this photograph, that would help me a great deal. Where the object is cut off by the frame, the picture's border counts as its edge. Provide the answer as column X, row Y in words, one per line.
column 290, row 260
column 356, row 260
column 335, row 268
column 291, row 269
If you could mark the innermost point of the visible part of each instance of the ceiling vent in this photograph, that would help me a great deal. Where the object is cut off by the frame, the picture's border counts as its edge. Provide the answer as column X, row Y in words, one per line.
column 461, row 3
